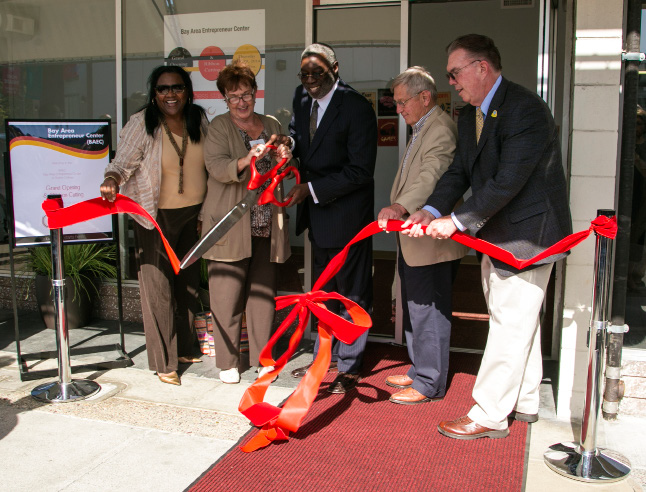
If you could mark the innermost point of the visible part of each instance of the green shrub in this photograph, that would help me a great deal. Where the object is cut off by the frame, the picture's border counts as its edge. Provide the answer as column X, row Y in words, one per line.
column 82, row 262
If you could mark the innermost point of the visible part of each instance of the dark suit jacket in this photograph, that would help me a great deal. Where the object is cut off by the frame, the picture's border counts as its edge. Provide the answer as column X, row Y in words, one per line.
column 339, row 163
column 519, row 199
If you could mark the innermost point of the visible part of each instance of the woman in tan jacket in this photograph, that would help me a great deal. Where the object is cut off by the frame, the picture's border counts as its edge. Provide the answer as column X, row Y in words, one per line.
column 242, row 265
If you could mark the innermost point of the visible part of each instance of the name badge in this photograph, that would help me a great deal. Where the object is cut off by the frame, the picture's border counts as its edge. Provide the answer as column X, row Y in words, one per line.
column 256, row 142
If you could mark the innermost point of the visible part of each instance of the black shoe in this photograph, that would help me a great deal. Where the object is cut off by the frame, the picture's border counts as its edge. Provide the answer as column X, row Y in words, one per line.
column 344, row 382
column 301, row 371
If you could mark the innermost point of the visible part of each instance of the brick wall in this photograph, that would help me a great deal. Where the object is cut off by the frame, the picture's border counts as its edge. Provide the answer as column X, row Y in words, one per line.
column 105, row 307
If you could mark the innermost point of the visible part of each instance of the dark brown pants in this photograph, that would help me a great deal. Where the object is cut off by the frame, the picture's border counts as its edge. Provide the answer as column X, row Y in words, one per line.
column 168, row 301
column 235, row 287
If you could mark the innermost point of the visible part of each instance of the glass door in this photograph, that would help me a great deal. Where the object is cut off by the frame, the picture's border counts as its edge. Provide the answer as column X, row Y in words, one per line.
column 367, row 43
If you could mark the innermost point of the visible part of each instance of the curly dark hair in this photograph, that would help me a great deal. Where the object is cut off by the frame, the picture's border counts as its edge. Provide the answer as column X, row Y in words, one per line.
column 193, row 113
column 234, row 75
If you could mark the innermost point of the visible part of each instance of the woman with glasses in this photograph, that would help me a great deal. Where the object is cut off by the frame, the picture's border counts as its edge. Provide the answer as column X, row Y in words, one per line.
column 160, row 164
column 242, row 265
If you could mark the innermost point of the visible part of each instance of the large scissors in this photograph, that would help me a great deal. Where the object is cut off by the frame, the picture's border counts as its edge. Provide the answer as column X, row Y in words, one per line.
column 235, row 214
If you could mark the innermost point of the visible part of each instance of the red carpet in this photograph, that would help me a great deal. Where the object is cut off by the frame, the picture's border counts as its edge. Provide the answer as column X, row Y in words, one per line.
column 360, row 441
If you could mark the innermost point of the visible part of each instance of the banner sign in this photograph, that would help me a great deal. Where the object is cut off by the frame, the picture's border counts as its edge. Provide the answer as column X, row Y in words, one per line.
column 206, row 42
column 65, row 158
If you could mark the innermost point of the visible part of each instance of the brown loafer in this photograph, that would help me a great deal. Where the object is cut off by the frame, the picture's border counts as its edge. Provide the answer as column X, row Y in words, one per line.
column 464, row 428
column 301, row 371
column 410, row 396
column 170, row 378
column 530, row 418
column 189, row 360
column 343, row 383
column 399, row 381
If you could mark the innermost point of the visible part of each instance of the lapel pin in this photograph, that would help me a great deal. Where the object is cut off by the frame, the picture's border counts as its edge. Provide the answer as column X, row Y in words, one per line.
column 494, row 114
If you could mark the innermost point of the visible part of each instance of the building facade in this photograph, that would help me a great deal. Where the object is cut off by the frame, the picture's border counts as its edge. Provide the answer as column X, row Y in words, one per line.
column 90, row 59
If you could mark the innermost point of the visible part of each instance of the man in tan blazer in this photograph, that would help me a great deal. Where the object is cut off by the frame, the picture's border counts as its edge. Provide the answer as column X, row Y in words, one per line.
column 426, row 268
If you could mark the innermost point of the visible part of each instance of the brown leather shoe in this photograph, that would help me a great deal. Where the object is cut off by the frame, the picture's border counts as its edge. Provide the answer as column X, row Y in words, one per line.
column 170, row 378
column 530, row 418
column 343, row 383
column 399, row 381
column 466, row 429
column 301, row 371
column 410, row 396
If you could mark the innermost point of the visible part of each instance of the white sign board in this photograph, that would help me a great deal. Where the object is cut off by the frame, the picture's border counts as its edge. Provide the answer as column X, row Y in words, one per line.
column 205, row 43
column 65, row 158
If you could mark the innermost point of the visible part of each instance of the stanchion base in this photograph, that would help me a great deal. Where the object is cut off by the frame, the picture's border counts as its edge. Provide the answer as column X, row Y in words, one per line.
column 58, row 392
column 566, row 459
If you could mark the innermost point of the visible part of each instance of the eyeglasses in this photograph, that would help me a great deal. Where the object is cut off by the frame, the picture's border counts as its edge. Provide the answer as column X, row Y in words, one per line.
column 402, row 104
column 314, row 75
column 454, row 73
column 246, row 97
column 165, row 89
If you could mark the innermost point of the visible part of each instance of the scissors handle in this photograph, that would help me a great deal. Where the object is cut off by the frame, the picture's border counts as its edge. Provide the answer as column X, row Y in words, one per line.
column 257, row 180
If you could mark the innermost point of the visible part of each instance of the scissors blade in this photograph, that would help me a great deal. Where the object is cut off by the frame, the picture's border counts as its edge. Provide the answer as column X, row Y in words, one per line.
column 218, row 231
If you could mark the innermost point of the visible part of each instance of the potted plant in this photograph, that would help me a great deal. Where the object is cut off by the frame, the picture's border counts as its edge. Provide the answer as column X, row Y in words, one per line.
column 85, row 266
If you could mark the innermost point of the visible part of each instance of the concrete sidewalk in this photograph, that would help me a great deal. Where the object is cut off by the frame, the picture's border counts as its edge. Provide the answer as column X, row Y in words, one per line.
column 138, row 434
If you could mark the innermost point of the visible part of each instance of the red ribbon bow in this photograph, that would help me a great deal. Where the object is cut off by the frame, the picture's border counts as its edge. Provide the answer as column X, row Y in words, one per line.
column 276, row 422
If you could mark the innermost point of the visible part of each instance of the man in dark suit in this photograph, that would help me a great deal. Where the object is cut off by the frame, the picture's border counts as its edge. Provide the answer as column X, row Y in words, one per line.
column 335, row 133
column 508, row 154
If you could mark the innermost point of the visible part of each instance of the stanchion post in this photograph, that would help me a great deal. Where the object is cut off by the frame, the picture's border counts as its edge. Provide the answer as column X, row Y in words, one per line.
column 584, row 461
column 65, row 389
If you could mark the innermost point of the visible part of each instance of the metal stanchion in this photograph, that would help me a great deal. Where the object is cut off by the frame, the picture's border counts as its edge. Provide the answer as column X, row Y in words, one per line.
column 65, row 389
column 584, row 461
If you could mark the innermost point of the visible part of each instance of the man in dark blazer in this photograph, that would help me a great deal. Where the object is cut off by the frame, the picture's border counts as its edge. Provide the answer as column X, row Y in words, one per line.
column 508, row 154
column 335, row 133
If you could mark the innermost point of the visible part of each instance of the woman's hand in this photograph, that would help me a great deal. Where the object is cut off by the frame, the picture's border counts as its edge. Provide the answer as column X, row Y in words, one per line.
column 109, row 189
column 258, row 151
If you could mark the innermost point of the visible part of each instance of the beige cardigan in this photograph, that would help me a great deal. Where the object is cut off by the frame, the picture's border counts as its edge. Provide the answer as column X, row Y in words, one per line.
column 429, row 158
column 222, row 149
column 138, row 165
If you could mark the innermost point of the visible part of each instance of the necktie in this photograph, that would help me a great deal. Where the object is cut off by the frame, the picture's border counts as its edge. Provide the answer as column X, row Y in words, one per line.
column 314, row 116
column 479, row 123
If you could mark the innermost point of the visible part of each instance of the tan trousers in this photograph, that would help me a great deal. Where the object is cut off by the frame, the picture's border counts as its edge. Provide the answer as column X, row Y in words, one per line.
column 512, row 367
column 249, row 286
column 168, row 301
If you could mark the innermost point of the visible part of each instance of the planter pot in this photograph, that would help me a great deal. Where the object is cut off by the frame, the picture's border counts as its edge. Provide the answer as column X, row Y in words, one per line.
column 78, row 305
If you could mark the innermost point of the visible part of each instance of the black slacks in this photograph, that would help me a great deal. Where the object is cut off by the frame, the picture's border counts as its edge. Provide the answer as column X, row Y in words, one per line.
column 353, row 281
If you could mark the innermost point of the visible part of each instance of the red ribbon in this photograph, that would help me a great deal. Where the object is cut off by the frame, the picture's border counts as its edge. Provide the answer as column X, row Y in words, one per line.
column 276, row 423
column 605, row 226
column 58, row 217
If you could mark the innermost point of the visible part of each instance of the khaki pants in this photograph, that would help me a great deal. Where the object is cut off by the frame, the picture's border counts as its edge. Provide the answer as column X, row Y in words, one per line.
column 512, row 367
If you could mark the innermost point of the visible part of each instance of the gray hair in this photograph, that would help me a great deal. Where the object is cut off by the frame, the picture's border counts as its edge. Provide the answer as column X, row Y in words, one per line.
column 416, row 79
column 321, row 50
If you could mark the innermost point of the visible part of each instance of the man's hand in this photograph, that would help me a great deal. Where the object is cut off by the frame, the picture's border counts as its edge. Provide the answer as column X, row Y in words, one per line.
column 393, row 212
column 298, row 193
column 283, row 140
column 442, row 228
column 418, row 222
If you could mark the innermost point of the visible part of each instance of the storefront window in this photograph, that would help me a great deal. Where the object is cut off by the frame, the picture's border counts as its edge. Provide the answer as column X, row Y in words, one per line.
column 57, row 60
column 636, row 279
